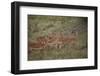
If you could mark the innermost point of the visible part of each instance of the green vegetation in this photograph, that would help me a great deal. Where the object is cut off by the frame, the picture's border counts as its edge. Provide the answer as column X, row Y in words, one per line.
column 39, row 25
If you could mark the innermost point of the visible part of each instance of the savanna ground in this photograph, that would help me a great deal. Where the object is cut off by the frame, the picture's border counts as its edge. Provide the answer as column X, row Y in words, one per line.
column 39, row 25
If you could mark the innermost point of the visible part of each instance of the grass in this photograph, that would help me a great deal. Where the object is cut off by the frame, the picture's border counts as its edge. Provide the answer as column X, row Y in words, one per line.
column 63, row 53
column 39, row 25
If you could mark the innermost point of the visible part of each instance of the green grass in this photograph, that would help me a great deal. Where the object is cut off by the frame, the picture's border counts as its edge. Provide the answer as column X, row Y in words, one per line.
column 63, row 53
column 44, row 25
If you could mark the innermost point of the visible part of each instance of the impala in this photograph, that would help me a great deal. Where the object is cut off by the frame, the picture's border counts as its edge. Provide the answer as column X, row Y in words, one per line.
column 54, row 40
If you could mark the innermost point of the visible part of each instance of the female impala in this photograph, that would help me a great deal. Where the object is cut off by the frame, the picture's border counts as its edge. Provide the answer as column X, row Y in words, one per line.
column 40, row 43
column 71, row 39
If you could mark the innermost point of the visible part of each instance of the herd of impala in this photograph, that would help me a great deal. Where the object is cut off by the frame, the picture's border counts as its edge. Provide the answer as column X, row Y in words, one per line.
column 54, row 40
